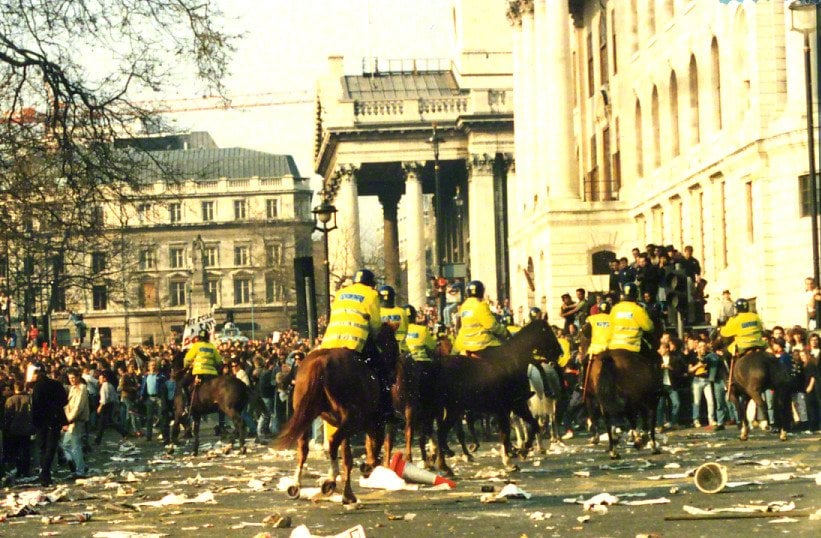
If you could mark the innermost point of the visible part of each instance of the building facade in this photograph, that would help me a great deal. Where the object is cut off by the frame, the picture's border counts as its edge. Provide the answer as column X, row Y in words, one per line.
column 672, row 122
column 230, row 227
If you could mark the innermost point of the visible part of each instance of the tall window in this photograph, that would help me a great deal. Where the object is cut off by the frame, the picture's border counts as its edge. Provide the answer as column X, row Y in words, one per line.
column 147, row 259
column 274, row 291
column 273, row 254
column 240, row 209
column 748, row 190
column 741, row 64
column 676, row 221
column 716, row 82
column 148, row 294
column 604, row 71
column 98, row 262
column 805, row 196
column 176, row 257
column 272, row 208
column 60, row 299
column 639, row 142
column 590, row 65
column 720, row 220
column 143, row 213
column 654, row 114
column 634, row 26
column 593, row 174
column 641, row 229
column 695, row 134
column 213, row 291
column 241, row 255
column 207, row 211
column 674, row 142
column 176, row 293
column 616, row 164
column 658, row 224
column 697, row 217
column 99, row 297
column 210, row 257
column 242, row 290
column 606, row 167
column 174, row 213
column 615, row 47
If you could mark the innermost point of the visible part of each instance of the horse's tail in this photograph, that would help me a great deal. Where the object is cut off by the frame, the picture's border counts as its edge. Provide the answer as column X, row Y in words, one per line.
column 606, row 392
column 305, row 411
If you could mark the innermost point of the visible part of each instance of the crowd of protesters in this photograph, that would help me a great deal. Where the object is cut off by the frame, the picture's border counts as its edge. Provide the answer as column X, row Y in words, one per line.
column 127, row 390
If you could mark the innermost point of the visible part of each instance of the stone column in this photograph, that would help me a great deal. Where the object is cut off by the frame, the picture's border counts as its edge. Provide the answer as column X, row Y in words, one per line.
column 558, row 147
column 389, row 198
column 540, row 85
column 345, row 249
column 415, row 234
column 481, row 222
column 526, row 121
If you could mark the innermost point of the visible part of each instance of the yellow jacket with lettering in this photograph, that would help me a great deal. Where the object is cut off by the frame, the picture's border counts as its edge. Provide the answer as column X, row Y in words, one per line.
column 420, row 342
column 564, row 358
column 628, row 321
column 747, row 329
column 599, row 333
column 397, row 318
column 479, row 327
column 354, row 315
column 203, row 358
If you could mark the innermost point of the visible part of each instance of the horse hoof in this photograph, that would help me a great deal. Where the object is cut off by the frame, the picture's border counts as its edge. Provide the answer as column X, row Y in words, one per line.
column 348, row 501
column 366, row 469
column 449, row 453
column 473, row 447
column 614, row 455
column 243, row 450
column 293, row 492
column 328, row 487
column 513, row 468
column 783, row 436
column 227, row 450
column 743, row 438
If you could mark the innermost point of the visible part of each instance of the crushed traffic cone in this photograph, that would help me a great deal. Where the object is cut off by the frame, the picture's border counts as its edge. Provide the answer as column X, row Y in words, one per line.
column 412, row 473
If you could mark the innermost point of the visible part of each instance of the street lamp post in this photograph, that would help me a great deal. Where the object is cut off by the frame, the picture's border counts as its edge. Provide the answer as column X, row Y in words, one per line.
column 803, row 18
column 434, row 140
column 325, row 222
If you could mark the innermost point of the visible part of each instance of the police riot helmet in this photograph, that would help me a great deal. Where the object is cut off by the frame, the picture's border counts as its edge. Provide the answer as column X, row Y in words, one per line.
column 742, row 305
column 507, row 319
column 387, row 296
column 411, row 312
column 604, row 307
column 366, row 277
column 629, row 292
column 202, row 334
column 535, row 313
column 475, row 289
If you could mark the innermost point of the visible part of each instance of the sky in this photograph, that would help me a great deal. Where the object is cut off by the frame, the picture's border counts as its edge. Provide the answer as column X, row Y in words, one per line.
column 283, row 50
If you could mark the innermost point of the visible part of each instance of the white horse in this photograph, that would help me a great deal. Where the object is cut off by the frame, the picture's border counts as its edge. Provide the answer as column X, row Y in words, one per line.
column 541, row 405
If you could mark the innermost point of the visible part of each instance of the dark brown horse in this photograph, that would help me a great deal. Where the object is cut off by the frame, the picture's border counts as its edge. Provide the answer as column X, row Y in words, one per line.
column 224, row 393
column 337, row 386
column 494, row 383
column 411, row 375
column 752, row 374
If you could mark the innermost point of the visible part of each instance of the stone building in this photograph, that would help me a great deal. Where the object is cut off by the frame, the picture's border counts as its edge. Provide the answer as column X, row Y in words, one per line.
column 673, row 122
column 252, row 211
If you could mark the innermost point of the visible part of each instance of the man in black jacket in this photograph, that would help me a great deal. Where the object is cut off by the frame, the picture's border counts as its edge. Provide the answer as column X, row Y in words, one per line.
column 48, row 398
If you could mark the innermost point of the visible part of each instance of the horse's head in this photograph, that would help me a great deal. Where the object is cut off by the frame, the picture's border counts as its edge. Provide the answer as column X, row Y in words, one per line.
column 388, row 346
column 444, row 346
column 539, row 339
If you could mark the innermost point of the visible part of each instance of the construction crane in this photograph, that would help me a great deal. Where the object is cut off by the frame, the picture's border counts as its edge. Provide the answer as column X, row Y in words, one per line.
column 229, row 102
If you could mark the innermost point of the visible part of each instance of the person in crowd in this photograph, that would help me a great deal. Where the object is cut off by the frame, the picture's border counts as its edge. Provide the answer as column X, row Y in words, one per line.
column 108, row 408
column 419, row 340
column 699, row 369
column 672, row 369
column 478, row 327
column 152, row 394
column 77, row 414
column 811, row 301
column 691, row 266
column 48, row 399
column 567, row 310
column 719, row 371
column 17, row 430
column 266, row 388
column 726, row 308
column 808, row 385
column 745, row 328
column 129, row 388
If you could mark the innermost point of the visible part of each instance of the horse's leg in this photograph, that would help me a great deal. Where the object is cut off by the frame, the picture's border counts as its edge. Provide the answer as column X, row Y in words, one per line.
column 651, row 419
column 504, row 436
column 347, row 463
column 781, row 401
column 441, row 438
column 740, row 403
column 195, row 419
column 329, row 485
column 611, row 434
column 410, row 416
column 460, row 435
column 390, row 429
column 374, row 438
column 471, row 422
column 239, row 430
column 301, row 456
column 761, row 406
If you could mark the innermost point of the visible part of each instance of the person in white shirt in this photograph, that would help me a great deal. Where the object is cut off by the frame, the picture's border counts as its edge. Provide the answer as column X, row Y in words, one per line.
column 77, row 413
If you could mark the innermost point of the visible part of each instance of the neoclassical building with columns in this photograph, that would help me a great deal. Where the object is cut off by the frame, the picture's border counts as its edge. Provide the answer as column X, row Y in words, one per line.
column 374, row 130
column 675, row 122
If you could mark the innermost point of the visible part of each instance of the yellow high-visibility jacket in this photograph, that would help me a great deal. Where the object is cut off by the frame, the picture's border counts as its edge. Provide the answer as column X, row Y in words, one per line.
column 354, row 315
column 397, row 318
column 420, row 342
column 203, row 358
column 628, row 321
column 747, row 330
column 599, row 333
column 479, row 327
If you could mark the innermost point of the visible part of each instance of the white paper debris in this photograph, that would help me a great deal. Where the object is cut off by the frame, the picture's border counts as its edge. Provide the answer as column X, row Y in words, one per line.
column 540, row 516
column 784, row 520
column 173, row 499
column 383, row 478
column 511, row 491
column 601, row 498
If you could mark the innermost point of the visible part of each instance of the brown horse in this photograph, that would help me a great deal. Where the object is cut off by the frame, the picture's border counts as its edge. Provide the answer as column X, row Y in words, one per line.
column 752, row 374
column 626, row 383
column 337, row 386
column 410, row 376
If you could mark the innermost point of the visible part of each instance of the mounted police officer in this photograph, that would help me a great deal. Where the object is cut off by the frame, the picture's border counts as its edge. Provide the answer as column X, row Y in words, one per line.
column 419, row 340
column 355, row 318
column 478, row 327
column 745, row 328
column 628, row 322
column 597, row 329
column 393, row 315
column 202, row 360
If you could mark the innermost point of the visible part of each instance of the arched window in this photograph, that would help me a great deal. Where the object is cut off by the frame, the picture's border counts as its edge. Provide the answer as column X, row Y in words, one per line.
column 654, row 114
column 741, row 63
column 601, row 261
column 639, row 142
column 695, row 134
column 674, row 143
column 715, row 80
column 634, row 28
